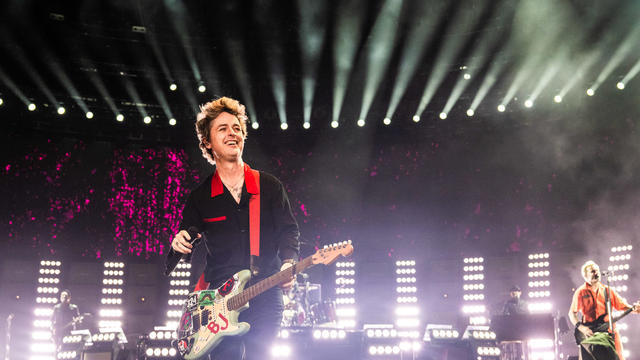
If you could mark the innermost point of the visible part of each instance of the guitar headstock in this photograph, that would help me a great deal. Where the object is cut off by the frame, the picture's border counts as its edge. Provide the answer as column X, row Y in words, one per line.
column 330, row 253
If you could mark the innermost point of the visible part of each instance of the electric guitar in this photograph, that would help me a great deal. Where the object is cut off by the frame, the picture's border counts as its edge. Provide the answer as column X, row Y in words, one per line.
column 599, row 325
column 210, row 315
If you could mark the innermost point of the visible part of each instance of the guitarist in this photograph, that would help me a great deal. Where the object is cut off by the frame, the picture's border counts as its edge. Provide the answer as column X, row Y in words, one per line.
column 589, row 300
column 63, row 319
column 220, row 207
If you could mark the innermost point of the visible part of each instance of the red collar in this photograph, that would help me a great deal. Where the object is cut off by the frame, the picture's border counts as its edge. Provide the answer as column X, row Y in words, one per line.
column 217, row 188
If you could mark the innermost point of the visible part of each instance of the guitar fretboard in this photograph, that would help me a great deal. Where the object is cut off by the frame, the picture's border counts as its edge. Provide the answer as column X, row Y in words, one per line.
column 237, row 301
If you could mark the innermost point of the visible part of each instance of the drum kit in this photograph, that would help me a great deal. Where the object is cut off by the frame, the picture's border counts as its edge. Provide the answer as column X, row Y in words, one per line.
column 303, row 305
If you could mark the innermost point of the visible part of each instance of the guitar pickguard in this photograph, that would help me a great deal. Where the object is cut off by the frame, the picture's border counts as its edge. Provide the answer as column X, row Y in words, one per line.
column 206, row 319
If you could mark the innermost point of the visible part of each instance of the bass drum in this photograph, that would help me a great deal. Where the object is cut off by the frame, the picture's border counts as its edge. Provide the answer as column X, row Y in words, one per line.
column 323, row 312
column 293, row 313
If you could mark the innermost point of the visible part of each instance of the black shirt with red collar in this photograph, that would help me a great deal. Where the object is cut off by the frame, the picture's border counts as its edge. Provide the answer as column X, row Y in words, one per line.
column 212, row 209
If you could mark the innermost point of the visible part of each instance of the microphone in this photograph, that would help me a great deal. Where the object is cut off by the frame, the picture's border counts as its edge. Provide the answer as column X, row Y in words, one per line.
column 174, row 257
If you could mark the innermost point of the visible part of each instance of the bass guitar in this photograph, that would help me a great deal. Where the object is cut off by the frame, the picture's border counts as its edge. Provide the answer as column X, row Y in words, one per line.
column 599, row 325
column 208, row 316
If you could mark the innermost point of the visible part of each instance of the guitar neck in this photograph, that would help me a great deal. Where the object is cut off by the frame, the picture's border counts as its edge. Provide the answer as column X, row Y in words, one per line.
column 237, row 301
column 625, row 313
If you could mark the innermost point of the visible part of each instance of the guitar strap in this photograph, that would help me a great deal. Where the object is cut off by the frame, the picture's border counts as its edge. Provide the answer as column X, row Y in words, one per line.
column 254, row 221
column 252, row 182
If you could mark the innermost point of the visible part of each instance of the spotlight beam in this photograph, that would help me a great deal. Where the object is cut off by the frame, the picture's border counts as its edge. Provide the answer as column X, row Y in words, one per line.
column 241, row 73
column 632, row 73
column 312, row 20
column 133, row 93
column 478, row 58
column 13, row 87
column 379, row 50
column 162, row 100
column 347, row 33
column 33, row 74
column 621, row 52
column 271, row 34
column 418, row 38
column 446, row 56
column 584, row 66
column 179, row 21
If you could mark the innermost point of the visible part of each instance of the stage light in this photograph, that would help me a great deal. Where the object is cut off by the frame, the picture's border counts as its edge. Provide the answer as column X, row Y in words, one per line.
column 557, row 98
column 1, row 101
column 502, row 108
column 147, row 119
column 620, row 85
column 470, row 112
column 306, row 125
column 467, row 76
column 284, row 126
column 386, row 121
column 255, row 125
column 443, row 115
column 120, row 117
column 528, row 103
column 89, row 115
column 173, row 87
column 61, row 110
column 202, row 88
column 172, row 121
column 31, row 107
column 360, row 122
column 334, row 124
column 415, row 118
column 590, row 92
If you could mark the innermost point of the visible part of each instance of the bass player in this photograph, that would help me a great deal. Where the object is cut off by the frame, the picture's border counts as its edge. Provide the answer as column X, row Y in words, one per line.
column 589, row 300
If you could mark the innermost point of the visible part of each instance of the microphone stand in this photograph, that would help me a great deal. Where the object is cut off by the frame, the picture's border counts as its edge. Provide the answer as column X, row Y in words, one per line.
column 608, row 304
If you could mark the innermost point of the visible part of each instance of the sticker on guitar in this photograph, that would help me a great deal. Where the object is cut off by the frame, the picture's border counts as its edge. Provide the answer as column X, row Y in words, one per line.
column 215, row 328
column 201, row 331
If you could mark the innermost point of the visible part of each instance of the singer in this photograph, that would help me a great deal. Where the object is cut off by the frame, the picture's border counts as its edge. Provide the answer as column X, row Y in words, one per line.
column 224, row 209
column 590, row 300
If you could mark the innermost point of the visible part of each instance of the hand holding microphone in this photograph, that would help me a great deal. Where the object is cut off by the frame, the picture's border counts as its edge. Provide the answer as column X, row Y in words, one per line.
column 183, row 241
column 181, row 244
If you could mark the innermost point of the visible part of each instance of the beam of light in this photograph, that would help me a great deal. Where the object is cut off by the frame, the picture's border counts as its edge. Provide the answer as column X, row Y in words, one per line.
column 548, row 74
column 33, row 74
column 179, row 18
column 631, row 74
column 271, row 34
column 417, row 40
column 446, row 55
column 479, row 56
column 64, row 79
column 92, row 73
column 379, row 50
column 547, row 21
column 137, row 102
column 347, row 32
column 312, row 29
column 582, row 68
column 618, row 56
column 159, row 56
column 162, row 100
column 14, row 88
column 489, row 80
column 240, row 69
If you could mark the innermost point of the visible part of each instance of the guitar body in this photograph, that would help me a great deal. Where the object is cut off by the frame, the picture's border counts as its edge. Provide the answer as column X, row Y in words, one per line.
column 597, row 326
column 206, row 318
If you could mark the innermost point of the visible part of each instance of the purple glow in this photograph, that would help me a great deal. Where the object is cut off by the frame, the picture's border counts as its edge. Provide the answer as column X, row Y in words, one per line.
column 146, row 217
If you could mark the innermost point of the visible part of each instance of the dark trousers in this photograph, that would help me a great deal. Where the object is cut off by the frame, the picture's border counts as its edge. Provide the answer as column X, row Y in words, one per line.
column 264, row 315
